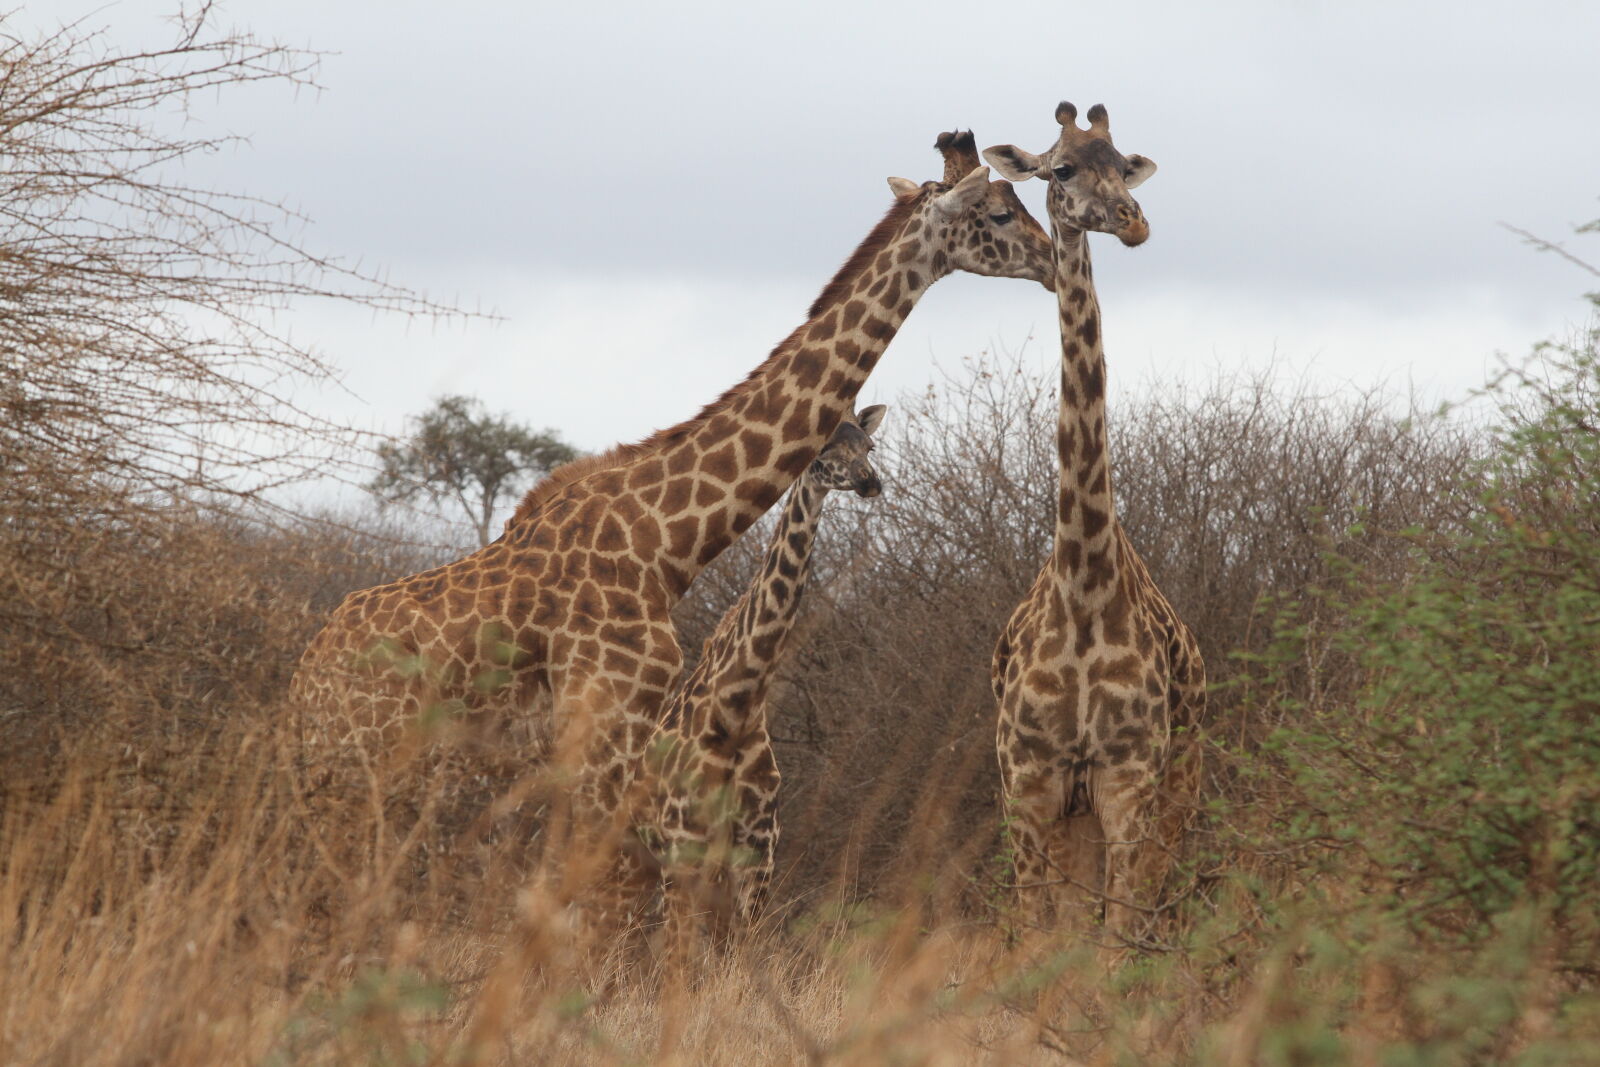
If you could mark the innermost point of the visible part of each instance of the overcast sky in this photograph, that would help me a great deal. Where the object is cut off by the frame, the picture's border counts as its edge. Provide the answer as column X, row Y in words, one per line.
column 651, row 193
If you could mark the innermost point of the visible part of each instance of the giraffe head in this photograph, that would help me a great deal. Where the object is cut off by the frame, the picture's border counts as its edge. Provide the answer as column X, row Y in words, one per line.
column 975, row 224
column 1089, row 179
column 845, row 461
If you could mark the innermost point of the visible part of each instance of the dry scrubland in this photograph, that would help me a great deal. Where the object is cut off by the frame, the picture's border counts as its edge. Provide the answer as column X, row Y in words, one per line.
column 1395, row 861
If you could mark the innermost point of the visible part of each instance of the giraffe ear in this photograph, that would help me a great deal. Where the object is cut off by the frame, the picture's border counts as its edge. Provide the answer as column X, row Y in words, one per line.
column 966, row 193
column 903, row 187
column 870, row 418
column 1013, row 163
column 1139, row 168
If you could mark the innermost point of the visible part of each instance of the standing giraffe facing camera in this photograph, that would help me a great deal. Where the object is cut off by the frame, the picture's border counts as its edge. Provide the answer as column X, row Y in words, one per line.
column 1100, row 684
column 710, row 773
column 566, row 616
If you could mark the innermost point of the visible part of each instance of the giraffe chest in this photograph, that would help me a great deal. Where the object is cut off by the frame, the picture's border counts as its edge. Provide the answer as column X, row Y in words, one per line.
column 1094, row 686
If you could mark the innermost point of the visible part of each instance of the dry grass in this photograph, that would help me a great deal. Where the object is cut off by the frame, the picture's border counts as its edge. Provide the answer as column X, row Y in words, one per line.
column 140, row 933
column 153, row 936
column 197, row 938
column 182, row 882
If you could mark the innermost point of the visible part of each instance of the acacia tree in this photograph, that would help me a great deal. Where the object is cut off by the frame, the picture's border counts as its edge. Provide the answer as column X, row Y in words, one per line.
column 458, row 453
column 147, row 373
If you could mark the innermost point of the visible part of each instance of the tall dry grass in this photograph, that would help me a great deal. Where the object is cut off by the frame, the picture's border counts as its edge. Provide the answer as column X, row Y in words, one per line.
column 183, row 882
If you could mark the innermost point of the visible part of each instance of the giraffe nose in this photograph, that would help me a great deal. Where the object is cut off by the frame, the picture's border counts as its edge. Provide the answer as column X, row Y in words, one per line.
column 869, row 487
column 1132, row 229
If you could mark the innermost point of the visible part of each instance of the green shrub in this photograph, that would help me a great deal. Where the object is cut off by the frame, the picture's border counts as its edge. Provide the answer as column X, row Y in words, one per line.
column 1462, row 782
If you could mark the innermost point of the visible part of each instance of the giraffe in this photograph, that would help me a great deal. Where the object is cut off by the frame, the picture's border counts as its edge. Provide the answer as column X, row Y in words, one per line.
column 565, row 617
column 1100, row 684
column 710, row 772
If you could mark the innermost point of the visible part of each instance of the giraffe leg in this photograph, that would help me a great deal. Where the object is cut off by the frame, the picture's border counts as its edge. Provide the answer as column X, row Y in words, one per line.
column 753, row 878
column 1134, row 857
column 716, row 880
column 1175, row 803
column 1039, row 850
column 751, row 891
column 755, row 832
column 1181, row 781
column 614, row 901
column 700, row 907
column 1080, row 859
column 609, row 871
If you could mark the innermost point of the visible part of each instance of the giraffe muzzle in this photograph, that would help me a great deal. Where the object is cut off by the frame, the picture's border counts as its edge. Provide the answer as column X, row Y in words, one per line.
column 869, row 488
column 1132, row 229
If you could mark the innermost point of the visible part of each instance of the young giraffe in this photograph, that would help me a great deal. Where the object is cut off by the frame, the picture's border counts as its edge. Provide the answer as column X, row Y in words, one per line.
column 566, row 617
column 709, row 772
column 1100, row 684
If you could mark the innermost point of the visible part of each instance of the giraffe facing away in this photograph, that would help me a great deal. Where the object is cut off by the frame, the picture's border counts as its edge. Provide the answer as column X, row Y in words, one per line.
column 1100, row 685
column 709, row 773
column 566, row 616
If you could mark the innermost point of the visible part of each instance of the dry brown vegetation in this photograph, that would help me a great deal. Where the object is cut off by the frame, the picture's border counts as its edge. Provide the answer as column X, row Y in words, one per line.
column 166, row 881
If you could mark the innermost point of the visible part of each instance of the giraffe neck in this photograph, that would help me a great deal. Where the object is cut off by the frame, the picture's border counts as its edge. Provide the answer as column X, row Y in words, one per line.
column 1084, row 557
column 731, row 464
column 751, row 637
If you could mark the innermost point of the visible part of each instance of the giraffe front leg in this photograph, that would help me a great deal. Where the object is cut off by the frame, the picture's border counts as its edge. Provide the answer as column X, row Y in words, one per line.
column 755, row 850
column 1135, row 857
column 605, row 719
column 1035, row 832
column 756, row 832
column 694, row 874
column 597, row 803
column 614, row 901
column 701, row 905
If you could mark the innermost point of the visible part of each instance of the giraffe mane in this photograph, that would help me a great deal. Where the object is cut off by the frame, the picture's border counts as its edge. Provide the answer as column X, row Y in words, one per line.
column 623, row 454
column 876, row 241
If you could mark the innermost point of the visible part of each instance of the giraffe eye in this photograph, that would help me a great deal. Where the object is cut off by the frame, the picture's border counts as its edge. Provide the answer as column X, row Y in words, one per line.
column 1000, row 219
column 1065, row 171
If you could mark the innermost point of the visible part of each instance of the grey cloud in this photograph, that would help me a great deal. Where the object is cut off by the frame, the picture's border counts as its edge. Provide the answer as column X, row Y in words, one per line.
column 1358, row 151
column 1352, row 147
